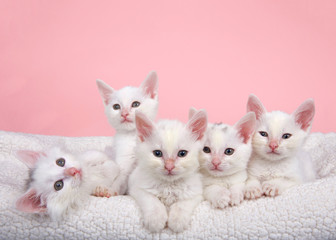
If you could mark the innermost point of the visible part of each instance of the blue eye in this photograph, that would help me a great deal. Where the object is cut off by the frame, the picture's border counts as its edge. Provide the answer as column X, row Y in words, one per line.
column 58, row 185
column 264, row 134
column 116, row 106
column 157, row 153
column 182, row 153
column 286, row 135
column 206, row 149
column 229, row 151
column 60, row 162
column 135, row 104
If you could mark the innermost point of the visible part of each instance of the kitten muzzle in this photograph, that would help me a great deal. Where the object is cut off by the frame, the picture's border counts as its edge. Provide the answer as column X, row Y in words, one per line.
column 71, row 172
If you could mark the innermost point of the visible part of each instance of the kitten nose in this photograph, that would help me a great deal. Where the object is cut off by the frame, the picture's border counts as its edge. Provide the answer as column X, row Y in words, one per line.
column 216, row 161
column 124, row 113
column 273, row 145
column 71, row 171
column 169, row 164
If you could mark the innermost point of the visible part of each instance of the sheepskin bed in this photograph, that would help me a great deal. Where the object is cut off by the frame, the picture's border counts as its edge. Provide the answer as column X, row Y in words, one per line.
column 303, row 212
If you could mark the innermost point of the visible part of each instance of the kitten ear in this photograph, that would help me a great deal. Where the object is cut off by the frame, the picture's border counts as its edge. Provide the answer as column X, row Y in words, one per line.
column 192, row 112
column 29, row 157
column 30, row 202
column 143, row 125
column 198, row 124
column 246, row 126
column 304, row 114
column 150, row 85
column 105, row 91
column 255, row 105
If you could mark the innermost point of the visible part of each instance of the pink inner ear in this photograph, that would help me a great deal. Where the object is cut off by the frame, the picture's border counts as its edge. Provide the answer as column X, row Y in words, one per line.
column 144, row 126
column 246, row 126
column 192, row 112
column 198, row 124
column 304, row 114
column 254, row 105
column 150, row 85
column 29, row 157
column 105, row 91
column 30, row 203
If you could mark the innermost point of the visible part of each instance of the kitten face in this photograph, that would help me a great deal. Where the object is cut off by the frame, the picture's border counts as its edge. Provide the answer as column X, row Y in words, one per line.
column 169, row 149
column 55, row 184
column 227, row 149
column 120, row 106
column 280, row 135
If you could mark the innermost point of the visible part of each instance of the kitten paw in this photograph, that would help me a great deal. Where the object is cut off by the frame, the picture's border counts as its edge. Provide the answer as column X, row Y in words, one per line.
column 270, row 190
column 253, row 192
column 222, row 199
column 236, row 198
column 102, row 192
column 178, row 220
column 156, row 220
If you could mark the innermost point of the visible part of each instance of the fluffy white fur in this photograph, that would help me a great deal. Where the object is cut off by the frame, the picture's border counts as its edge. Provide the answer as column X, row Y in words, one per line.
column 91, row 172
column 279, row 162
column 120, row 106
column 224, row 159
column 168, row 187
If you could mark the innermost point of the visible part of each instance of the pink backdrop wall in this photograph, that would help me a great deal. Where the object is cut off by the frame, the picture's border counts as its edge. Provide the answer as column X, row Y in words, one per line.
column 208, row 54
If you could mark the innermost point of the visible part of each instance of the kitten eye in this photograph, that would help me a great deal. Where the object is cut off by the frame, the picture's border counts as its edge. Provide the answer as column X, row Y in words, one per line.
column 135, row 104
column 264, row 134
column 182, row 153
column 229, row 151
column 60, row 162
column 286, row 135
column 58, row 185
column 116, row 106
column 206, row 149
column 157, row 153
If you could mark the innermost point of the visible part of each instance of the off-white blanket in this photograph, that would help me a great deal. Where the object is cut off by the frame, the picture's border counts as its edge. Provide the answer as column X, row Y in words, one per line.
column 304, row 212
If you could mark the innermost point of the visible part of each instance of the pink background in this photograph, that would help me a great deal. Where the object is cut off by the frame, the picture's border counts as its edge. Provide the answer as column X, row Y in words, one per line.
column 208, row 54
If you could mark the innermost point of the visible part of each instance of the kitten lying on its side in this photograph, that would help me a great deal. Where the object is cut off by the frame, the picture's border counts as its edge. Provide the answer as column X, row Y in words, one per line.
column 166, row 183
column 120, row 106
column 278, row 161
column 61, row 181
column 223, row 160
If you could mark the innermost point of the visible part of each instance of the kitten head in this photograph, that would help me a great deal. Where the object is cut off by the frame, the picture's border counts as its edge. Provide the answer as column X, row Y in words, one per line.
column 169, row 149
column 280, row 135
column 120, row 105
column 227, row 149
column 55, row 182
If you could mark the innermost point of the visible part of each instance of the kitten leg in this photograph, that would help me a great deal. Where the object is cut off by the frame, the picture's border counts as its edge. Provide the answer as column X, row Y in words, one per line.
column 218, row 196
column 154, row 212
column 277, row 186
column 237, row 194
column 180, row 213
column 252, row 188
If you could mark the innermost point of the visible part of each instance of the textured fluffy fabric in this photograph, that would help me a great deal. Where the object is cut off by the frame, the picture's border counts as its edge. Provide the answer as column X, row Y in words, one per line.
column 304, row 212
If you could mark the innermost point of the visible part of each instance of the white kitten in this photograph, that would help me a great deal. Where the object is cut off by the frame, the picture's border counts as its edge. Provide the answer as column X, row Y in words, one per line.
column 120, row 107
column 60, row 181
column 223, row 160
column 278, row 161
column 166, row 183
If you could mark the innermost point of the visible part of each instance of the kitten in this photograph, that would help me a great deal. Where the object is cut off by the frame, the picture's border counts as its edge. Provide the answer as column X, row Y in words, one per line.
column 223, row 160
column 166, row 183
column 60, row 182
column 120, row 106
column 278, row 161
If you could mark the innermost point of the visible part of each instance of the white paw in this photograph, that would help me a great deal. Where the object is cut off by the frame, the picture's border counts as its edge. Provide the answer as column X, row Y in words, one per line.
column 270, row 190
column 253, row 192
column 222, row 199
column 236, row 198
column 103, row 192
column 178, row 220
column 155, row 220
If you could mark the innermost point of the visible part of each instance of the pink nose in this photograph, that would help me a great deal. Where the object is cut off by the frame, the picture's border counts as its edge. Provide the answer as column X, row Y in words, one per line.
column 216, row 162
column 169, row 164
column 71, row 171
column 124, row 113
column 273, row 145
